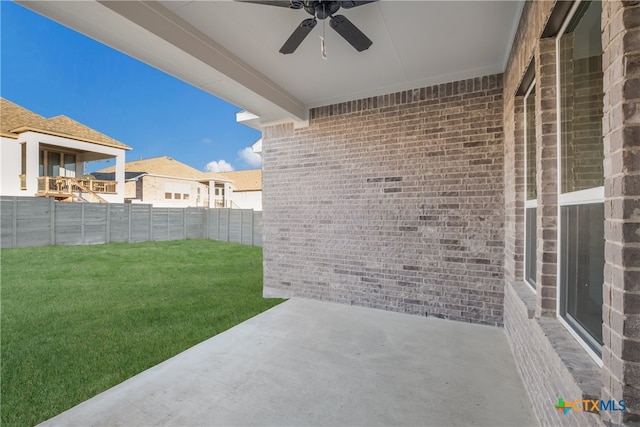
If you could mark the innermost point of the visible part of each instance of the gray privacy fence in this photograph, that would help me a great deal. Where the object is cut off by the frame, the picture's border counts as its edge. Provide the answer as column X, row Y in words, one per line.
column 40, row 221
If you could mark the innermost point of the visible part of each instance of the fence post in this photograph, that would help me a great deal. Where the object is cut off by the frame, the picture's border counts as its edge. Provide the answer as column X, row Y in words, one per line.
column 107, row 226
column 185, row 215
column 150, row 223
column 82, row 226
column 205, row 223
column 253, row 227
column 129, row 223
column 14, row 240
column 217, row 211
column 52, row 215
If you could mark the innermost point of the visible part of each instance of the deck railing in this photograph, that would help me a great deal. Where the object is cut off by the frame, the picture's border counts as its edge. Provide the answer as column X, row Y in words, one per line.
column 223, row 203
column 51, row 185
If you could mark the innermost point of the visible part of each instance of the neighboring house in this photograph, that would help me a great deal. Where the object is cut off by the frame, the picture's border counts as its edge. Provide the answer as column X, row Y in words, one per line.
column 247, row 188
column 480, row 162
column 166, row 182
column 45, row 157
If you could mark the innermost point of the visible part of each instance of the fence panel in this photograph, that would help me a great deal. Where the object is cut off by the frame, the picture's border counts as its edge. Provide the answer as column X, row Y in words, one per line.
column 160, row 217
column 223, row 224
column 235, row 226
column 141, row 223
column 246, row 228
column 195, row 218
column 119, row 222
column 39, row 221
column 7, row 227
column 213, row 226
column 95, row 223
column 33, row 223
column 257, row 228
column 68, row 223
column 176, row 224
column 25, row 224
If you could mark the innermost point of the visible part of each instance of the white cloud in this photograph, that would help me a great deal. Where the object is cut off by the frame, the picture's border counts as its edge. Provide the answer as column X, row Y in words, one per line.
column 249, row 157
column 219, row 166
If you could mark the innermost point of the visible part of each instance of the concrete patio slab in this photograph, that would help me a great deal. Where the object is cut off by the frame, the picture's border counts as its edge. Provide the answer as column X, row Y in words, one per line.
column 309, row 363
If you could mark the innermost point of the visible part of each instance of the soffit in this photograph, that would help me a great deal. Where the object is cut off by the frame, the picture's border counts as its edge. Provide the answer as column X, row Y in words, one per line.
column 230, row 49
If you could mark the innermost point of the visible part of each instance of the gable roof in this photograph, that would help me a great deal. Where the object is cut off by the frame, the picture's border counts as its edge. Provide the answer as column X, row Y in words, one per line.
column 247, row 180
column 15, row 119
column 164, row 166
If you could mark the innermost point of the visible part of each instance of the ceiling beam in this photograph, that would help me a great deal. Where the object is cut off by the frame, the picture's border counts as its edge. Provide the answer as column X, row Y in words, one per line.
column 163, row 23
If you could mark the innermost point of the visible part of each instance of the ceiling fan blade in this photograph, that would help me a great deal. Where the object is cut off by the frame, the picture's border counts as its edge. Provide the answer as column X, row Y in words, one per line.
column 350, row 4
column 298, row 35
column 350, row 33
column 289, row 4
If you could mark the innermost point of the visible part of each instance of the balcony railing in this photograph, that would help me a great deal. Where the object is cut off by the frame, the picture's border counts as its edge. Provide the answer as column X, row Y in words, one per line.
column 224, row 203
column 61, row 187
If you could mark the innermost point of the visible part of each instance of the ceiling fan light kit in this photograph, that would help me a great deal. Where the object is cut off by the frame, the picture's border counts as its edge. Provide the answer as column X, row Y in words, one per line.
column 320, row 9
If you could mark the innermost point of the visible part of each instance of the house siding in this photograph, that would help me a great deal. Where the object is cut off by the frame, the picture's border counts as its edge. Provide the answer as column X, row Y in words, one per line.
column 393, row 202
column 11, row 170
column 154, row 188
column 130, row 189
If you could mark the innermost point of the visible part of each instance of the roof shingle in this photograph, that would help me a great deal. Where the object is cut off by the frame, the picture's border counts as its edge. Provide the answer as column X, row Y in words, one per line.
column 15, row 119
column 163, row 165
column 247, row 180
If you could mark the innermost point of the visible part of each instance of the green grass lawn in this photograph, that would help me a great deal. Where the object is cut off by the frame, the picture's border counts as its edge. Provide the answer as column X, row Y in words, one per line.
column 77, row 320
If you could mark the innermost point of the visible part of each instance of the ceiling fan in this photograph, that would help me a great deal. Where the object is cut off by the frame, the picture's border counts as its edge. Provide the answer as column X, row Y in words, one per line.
column 321, row 9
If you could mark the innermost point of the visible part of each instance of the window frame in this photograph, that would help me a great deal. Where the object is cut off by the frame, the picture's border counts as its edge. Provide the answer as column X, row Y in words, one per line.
column 44, row 160
column 532, row 203
column 586, row 196
column 23, row 166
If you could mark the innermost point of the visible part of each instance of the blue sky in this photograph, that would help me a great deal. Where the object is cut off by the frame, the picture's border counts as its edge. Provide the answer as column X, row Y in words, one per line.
column 52, row 70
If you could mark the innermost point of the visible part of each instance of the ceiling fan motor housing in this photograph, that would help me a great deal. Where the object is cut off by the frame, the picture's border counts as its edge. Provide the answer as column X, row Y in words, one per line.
column 321, row 9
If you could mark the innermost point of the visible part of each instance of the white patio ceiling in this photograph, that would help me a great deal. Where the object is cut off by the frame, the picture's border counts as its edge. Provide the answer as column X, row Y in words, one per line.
column 230, row 49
